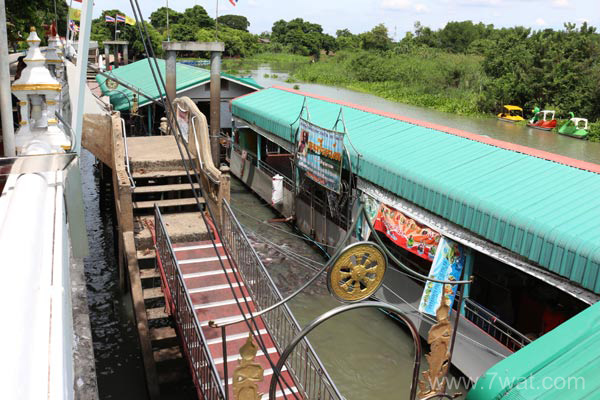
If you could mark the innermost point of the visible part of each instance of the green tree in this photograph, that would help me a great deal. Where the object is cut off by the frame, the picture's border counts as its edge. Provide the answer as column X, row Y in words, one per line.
column 183, row 32
column 158, row 18
column 238, row 22
column 196, row 17
column 22, row 15
column 376, row 39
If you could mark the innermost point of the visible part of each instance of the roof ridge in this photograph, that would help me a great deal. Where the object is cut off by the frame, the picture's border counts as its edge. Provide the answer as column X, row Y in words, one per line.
column 545, row 155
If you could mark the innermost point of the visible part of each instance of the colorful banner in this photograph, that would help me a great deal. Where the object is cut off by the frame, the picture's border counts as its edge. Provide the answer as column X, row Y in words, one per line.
column 129, row 20
column 447, row 265
column 320, row 153
column 406, row 232
column 74, row 14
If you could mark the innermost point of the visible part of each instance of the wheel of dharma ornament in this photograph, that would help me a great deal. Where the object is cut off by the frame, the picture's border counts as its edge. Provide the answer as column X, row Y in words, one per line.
column 358, row 272
column 111, row 84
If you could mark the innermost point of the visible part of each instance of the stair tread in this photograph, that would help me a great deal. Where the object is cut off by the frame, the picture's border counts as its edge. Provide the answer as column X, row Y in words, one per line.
column 153, row 293
column 164, row 188
column 147, row 254
column 168, row 354
column 149, row 273
column 156, row 313
column 162, row 333
column 174, row 374
column 144, row 173
column 187, row 201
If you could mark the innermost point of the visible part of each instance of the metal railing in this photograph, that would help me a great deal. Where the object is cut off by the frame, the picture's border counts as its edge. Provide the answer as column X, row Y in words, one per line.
column 127, row 167
column 495, row 327
column 303, row 364
column 202, row 365
column 288, row 183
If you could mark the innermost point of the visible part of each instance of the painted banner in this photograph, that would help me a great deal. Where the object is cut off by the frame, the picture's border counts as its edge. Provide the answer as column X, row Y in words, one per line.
column 447, row 265
column 319, row 154
column 406, row 232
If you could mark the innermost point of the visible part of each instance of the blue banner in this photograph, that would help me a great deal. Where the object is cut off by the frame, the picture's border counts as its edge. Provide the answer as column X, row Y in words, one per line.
column 319, row 153
column 447, row 265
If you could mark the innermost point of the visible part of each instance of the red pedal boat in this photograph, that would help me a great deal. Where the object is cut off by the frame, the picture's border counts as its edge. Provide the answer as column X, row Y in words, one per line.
column 543, row 120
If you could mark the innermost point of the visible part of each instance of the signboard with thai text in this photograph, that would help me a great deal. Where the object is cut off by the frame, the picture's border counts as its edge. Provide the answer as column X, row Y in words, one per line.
column 447, row 265
column 319, row 153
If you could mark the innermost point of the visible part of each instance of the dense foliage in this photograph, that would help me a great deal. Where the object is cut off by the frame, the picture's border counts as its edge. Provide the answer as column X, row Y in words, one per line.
column 22, row 15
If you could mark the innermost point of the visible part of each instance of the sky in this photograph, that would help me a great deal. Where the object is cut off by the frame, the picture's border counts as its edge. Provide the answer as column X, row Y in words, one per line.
column 398, row 15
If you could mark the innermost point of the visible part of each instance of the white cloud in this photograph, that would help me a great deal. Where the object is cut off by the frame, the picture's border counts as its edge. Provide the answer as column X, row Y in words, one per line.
column 421, row 8
column 404, row 5
column 396, row 4
column 479, row 3
column 561, row 3
column 540, row 22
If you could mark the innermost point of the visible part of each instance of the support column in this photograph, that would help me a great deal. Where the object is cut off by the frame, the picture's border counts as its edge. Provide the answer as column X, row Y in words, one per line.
column 8, row 133
column 125, row 54
column 117, row 60
column 258, row 149
column 468, row 271
column 215, row 105
column 171, row 72
column 106, row 56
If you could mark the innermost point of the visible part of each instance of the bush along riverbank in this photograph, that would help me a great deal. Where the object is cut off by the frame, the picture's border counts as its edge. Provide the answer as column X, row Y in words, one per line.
column 425, row 77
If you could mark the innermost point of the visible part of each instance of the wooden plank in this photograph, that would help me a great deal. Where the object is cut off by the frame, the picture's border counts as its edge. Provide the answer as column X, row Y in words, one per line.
column 165, row 188
column 147, row 254
column 144, row 173
column 168, row 354
column 188, row 201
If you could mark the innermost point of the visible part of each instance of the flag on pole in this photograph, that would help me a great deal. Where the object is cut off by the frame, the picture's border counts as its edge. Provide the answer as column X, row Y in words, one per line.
column 79, row 1
column 129, row 20
column 233, row 2
column 74, row 14
column 108, row 18
column 121, row 18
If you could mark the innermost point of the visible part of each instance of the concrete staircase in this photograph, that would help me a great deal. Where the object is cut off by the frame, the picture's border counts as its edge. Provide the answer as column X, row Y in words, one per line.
column 161, row 179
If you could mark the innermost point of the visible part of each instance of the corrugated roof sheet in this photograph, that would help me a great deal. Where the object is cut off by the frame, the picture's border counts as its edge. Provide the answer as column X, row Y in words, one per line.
column 562, row 364
column 547, row 211
column 139, row 75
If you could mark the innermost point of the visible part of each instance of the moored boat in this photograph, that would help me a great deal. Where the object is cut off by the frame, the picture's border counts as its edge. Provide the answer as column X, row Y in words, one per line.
column 575, row 127
column 511, row 114
column 543, row 120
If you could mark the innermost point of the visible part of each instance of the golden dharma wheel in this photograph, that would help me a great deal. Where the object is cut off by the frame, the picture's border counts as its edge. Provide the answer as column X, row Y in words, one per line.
column 358, row 272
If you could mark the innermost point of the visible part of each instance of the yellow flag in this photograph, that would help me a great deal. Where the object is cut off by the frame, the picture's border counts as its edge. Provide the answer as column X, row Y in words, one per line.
column 74, row 14
column 129, row 21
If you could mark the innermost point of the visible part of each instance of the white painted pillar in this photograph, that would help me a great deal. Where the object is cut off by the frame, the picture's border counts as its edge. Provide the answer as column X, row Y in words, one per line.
column 8, row 132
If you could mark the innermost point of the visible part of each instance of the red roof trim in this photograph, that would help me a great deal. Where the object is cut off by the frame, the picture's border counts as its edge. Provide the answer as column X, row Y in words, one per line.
column 572, row 162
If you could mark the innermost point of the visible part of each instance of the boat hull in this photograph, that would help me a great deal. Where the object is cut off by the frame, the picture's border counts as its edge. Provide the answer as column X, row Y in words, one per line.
column 509, row 120
column 579, row 134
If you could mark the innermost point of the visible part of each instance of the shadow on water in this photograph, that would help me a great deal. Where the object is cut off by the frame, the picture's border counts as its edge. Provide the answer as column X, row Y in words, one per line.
column 119, row 365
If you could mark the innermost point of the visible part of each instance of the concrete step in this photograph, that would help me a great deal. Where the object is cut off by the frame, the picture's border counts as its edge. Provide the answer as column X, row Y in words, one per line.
column 167, row 354
column 147, row 254
column 164, row 333
column 148, row 174
column 156, row 313
column 153, row 293
column 165, row 188
column 187, row 201
column 154, row 153
column 149, row 273
column 181, row 227
column 177, row 373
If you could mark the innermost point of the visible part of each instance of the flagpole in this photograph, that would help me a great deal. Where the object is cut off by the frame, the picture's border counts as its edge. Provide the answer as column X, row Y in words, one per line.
column 168, row 32
column 115, row 27
column 217, row 23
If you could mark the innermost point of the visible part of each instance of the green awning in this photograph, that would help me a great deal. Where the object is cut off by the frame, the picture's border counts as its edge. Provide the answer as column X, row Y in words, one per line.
column 562, row 364
column 544, row 210
column 139, row 76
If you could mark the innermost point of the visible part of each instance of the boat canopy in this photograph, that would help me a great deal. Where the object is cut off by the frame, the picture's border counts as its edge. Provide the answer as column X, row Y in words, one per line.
column 513, row 108
column 561, row 364
column 536, row 204
column 139, row 76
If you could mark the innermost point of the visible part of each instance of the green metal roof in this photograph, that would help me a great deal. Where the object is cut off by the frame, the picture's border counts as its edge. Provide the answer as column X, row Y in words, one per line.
column 562, row 364
column 139, row 76
column 514, row 196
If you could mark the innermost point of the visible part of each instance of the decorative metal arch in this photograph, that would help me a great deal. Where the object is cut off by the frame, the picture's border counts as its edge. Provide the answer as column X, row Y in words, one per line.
column 342, row 309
